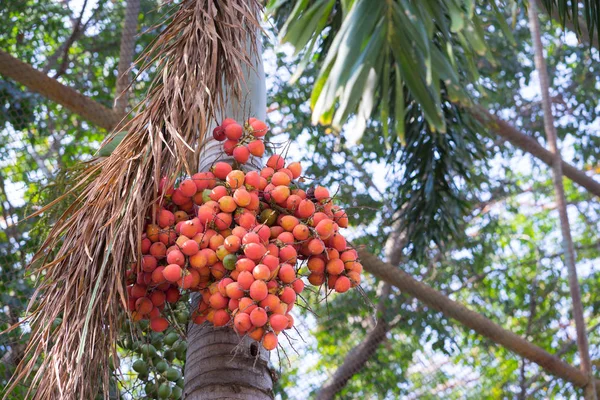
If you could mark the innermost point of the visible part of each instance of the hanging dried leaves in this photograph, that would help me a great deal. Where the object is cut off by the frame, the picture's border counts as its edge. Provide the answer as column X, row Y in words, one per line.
column 197, row 57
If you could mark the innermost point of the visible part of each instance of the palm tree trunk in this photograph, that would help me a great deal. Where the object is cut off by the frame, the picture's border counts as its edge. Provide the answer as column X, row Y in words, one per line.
column 569, row 251
column 219, row 364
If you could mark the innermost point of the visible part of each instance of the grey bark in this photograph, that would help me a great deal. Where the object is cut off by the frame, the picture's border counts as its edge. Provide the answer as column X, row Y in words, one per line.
column 126, row 55
column 568, row 248
column 220, row 364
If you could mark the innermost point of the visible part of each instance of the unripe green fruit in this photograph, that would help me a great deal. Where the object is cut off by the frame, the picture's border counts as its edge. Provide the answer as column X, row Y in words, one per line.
column 150, row 389
column 169, row 355
column 206, row 195
column 143, row 376
column 183, row 317
column 161, row 366
column 140, row 367
column 148, row 350
column 229, row 261
column 171, row 338
column 180, row 382
column 181, row 353
column 268, row 217
column 172, row 374
column 177, row 392
column 164, row 391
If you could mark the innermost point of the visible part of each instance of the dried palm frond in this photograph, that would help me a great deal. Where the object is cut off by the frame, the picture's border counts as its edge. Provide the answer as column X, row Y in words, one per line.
column 197, row 57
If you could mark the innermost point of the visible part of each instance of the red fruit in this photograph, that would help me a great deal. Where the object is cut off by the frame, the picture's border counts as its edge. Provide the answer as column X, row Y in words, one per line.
column 295, row 168
column 188, row 188
column 190, row 247
column 286, row 238
column 217, row 270
column 287, row 274
column 316, row 279
column 143, row 305
column 188, row 228
column 241, row 154
column 292, row 202
column 269, row 341
column 223, row 220
column 229, row 146
column 306, row 209
column 172, row 273
column 256, row 148
column 155, row 313
column 288, row 222
column 276, row 162
column 258, row 317
column 235, row 179
column 232, row 243
column 278, row 322
column 244, row 264
column 338, row 242
column 245, row 279
column 227, row 203
column 288, row 254
column 298, row 286
column 301, row 232
column 158, row 298
column 179, row 198
column 280, row 194
column 176, row 257
column 259, row 128
column 157, row 275
column 258, row 290
column 342, row 284
column 242, row 322
column 159, row 324
column 221, row 169
column 221, row 318
column 270, row 303
column 234, row 131
column 247, row 305
column 321, row 194
column 172, row 295
column 227, row 121
column 261, row 272
column 218, row 301
column 254, row 251
column 271, row 261
column 325, row 228
column 288, row 295
column 242, row 197
column 280, row 178
column 149, row 263
column 252, row 179
column 219, row 133
column 256, row 334
column 152, row 232
column 198, row 260
column 335, row 266
column 234, row 290
column 166, row 218
column 146, row 243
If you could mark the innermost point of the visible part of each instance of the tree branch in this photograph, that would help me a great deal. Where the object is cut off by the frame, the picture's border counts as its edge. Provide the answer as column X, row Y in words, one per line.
column 471, row 319
column 567, row 240
column 531, row 146
column 71, row 99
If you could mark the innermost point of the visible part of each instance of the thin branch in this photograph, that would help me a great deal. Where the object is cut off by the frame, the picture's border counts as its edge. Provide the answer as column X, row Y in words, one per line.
column 569, row 251
column 531, row 146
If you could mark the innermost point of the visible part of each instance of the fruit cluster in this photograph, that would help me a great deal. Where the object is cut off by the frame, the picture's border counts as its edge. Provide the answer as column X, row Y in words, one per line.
column 241, row 239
